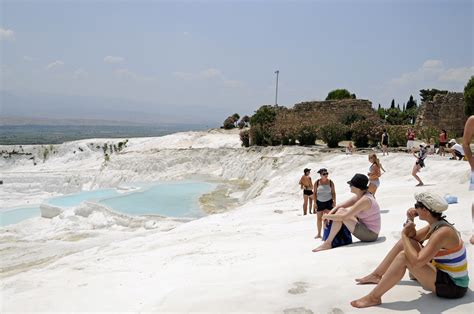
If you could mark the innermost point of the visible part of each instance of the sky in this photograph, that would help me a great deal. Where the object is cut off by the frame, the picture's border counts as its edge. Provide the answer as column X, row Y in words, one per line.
column 204, row 60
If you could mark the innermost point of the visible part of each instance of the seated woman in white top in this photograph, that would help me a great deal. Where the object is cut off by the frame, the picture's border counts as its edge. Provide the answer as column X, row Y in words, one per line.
column 360, row 214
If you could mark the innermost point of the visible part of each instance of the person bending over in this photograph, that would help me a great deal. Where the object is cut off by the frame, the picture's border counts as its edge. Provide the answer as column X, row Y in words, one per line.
column 439, row 266
column 360, row 214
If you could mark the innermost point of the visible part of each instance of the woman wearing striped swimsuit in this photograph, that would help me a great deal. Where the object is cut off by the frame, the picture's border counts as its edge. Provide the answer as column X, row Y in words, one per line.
column 439, row 266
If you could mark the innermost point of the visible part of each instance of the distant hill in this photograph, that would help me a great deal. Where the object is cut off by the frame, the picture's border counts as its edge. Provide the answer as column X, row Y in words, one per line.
column 75, row 109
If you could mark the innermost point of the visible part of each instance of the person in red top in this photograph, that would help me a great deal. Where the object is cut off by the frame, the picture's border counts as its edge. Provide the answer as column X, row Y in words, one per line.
column 410, row 139
column 443, row 139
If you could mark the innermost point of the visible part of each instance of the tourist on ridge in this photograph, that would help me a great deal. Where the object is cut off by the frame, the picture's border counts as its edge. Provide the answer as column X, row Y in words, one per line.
column 374, row 173
column 410, row 139
column 349, row 148
column 384, row 142
column 307, row 187
column 324, row 198
column 420, row 163
column 360, row 214
column 431, row 148
column 466, row 144
column 455, row 149
column 443, row 140
column 439, row 266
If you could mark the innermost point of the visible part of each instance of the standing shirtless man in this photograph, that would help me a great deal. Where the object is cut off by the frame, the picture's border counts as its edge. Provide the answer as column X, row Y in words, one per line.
column 307, row 187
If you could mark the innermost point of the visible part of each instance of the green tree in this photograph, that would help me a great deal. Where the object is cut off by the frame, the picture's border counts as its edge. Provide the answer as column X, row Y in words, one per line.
column 264, row 115
column 411, row 103
column 469, row 97
column 340, row 94
column 392, row 105
column 428, row 94
column 236, row 117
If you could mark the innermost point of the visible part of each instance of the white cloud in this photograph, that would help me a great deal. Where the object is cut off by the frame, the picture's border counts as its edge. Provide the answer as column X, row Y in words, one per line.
column 27, row 58
column 184, row 76
column 430, row 64
column 80, row 73
column 127, row 74
column 457, row 74
column 210, row 73
column 114, row 59
column 430, row 74
column 55, row 64
column 233, row 84
column 434, row 70
column 6, row 34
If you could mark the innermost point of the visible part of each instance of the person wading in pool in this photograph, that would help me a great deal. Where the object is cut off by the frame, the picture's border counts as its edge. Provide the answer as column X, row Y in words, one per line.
column 307, row 186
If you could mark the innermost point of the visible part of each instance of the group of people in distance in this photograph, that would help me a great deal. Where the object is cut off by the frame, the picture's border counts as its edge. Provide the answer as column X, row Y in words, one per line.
column 440, row 265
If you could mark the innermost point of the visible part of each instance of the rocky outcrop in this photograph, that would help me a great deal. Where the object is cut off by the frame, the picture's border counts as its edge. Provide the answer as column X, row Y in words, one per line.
column 445, row 111
column 334, row 110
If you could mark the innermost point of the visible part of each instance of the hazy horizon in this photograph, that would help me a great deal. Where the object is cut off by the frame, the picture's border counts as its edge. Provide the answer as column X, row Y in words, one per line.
column 200, row 61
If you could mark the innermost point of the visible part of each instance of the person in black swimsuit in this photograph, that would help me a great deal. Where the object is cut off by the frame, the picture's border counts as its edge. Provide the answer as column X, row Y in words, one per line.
column 307, row 186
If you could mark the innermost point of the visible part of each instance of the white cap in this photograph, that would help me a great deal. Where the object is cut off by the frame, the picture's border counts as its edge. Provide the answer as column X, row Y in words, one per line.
column 432, row 201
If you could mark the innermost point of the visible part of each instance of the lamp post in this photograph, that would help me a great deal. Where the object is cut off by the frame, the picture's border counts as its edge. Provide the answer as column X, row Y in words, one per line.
column 276, row 92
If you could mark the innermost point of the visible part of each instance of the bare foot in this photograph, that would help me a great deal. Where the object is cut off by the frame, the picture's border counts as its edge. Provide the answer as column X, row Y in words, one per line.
column 369, row 279
column 318, row 236
column 366, row 302
column 472, row 239
column 323, row 247
column 420, row 184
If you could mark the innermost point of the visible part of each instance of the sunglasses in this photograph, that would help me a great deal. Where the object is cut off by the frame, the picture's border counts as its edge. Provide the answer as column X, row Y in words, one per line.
column 324, row 174
column 419, row 205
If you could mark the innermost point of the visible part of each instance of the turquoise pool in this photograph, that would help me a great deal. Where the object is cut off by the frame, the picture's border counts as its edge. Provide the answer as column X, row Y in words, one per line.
column 16, row 215
column 170, row 199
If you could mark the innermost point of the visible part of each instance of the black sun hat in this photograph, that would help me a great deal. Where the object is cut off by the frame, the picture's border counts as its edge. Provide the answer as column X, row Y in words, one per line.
column 359, row 181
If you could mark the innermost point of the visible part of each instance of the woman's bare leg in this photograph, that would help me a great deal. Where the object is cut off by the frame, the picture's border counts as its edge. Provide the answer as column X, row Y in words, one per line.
column 426, row 275
column 305, row 204
column 336, row 226
column 375, row 276
column 414, row 172
column 319, row 223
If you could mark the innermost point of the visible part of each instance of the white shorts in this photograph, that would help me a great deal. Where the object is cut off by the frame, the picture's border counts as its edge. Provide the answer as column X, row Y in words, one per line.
column 410, row 144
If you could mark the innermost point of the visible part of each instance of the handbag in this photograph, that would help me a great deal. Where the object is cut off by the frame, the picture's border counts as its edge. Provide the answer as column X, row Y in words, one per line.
column 343, row 237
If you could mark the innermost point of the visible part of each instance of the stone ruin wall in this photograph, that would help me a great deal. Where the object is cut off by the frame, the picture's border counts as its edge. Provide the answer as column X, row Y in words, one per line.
column 443, row 112
column 324, row 112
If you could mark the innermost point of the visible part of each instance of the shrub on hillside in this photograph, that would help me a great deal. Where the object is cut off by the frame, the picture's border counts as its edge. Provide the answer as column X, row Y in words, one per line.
column 264, row 115
column 229, row 123
column 245, row 138
column 307, row 135
column 469, row 97
column 350, row 117
column 332, row 134
column 366, row 131
column 426, row 132
column 264, row 136
column 397, row 135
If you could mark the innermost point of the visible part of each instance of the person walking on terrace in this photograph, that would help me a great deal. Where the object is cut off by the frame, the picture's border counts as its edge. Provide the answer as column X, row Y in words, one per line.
column 307, row 186
column 439, row 266
column 443, row 140
column 420, row 163
column 384, row 142
column 324, row 197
